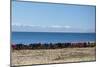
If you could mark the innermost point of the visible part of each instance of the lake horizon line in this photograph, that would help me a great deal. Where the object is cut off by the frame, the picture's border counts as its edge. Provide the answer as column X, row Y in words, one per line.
column 51, row 32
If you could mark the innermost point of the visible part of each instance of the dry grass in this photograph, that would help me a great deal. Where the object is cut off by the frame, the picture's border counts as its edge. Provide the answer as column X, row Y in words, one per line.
column 46, row 56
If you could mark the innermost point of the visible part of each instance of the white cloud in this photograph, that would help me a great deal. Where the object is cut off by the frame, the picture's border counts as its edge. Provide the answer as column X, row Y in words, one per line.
column 58, row 26
column 67, row 26
column 51, row 28
column 42, row 26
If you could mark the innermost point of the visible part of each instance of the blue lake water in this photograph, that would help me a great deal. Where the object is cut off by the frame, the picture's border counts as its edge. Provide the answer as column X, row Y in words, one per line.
column 47, row 37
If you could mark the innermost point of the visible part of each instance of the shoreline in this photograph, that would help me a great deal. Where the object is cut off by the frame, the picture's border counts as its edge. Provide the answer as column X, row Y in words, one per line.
column 52, row 45
column 58, row 42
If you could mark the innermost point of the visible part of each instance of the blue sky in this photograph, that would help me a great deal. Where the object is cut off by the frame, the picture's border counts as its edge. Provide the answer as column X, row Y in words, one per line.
column 46, row 17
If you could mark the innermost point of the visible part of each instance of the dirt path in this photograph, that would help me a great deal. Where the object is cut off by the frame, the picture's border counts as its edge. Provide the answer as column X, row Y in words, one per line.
column 46, row 56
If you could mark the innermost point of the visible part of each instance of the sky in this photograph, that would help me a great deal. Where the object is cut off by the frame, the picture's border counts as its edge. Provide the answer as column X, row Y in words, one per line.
column 47, row 17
